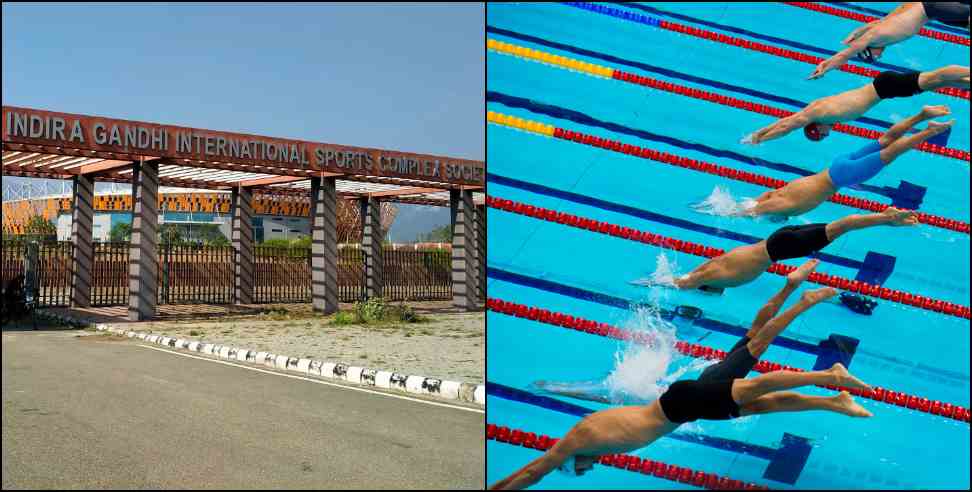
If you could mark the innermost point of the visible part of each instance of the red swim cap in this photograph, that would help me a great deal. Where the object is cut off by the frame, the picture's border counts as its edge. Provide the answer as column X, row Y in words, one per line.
column 812, row 132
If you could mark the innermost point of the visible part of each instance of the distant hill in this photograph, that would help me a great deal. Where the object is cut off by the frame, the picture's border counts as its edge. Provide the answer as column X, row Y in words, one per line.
column 415, row 220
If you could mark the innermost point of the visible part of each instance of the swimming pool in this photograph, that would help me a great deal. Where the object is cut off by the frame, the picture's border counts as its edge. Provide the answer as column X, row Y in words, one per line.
column 687, row 97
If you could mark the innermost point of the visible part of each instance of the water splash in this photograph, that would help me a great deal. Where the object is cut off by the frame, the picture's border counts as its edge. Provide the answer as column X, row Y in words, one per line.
column 641, row 371
column 666, row 269
column 721, row 202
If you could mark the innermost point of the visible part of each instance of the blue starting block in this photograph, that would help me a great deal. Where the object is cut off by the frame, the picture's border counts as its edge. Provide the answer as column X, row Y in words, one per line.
column 908, row 195
column 789, row 460
column 877, row 268
column 941, row 139
column 836, row 348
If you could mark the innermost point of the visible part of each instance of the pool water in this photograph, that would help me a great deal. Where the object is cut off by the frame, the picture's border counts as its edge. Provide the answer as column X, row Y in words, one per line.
column 544, row 264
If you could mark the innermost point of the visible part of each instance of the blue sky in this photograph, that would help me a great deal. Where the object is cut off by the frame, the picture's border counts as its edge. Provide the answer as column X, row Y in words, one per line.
column 404, row 77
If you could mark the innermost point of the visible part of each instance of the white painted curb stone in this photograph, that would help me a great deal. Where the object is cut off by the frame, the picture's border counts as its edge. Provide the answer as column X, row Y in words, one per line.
column 451, row 390
column 353, row 375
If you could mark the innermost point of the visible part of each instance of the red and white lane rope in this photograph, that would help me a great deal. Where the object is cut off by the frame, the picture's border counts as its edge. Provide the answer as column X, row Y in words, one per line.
column 608, row 72
column 703, row 167
column 847, row 14
column 681, row 474
column 554, row 318
column 877, row 291
column 791, row 54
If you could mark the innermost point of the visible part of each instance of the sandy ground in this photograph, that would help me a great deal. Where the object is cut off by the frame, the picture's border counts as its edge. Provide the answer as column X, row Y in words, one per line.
column 447, row 346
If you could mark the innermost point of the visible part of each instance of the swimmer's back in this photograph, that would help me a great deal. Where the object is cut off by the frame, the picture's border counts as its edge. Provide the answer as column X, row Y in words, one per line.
column 625, row 428
column 804, row 194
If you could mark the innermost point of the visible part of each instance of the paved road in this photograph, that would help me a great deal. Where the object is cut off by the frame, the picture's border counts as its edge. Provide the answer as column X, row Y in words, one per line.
column 93, row 413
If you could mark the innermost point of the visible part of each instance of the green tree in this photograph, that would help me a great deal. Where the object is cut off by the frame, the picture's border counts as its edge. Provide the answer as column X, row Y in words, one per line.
column 219, row 240
column 41, row 227
column 208, row 234
column 438, row 235
column 171, row 234
column 120, row 232
column 276, row 243
column 301, row 242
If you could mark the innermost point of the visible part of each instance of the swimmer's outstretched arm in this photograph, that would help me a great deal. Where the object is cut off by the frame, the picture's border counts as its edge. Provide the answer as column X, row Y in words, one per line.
column 876, row 34
column 840, row 58
column 584, row 390
column 770, row 206
column 535, row 470
column 780, row 127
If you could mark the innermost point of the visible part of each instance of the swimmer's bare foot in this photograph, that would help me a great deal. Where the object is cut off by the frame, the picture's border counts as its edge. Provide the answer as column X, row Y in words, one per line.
column 935, row 111
column 846, row 405
column 796, row 277
column 844, row 378
column 814, row 296
column 937, row 127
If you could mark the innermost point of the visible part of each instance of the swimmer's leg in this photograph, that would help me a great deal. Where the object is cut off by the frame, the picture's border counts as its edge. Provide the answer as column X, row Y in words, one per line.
column 904, row 144
column 748, row 390
column 791, row 401
column 889, row 216
column 899, row 129
column 773, row 305
column 947, row 76
column 765, row 335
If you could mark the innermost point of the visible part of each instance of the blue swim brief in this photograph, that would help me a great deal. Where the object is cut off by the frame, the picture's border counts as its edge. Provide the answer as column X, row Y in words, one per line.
column 858, row 166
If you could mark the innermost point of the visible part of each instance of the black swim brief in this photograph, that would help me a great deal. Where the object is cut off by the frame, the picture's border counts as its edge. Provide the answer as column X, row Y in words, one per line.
column 895, row 84
column 736, row 365
column 950, row 13
column 689, row 400
column 796, row 241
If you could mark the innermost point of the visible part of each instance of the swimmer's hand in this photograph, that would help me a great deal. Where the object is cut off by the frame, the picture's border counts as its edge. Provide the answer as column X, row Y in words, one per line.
column 821, row 69
column 897, row 217
column 749, row 139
